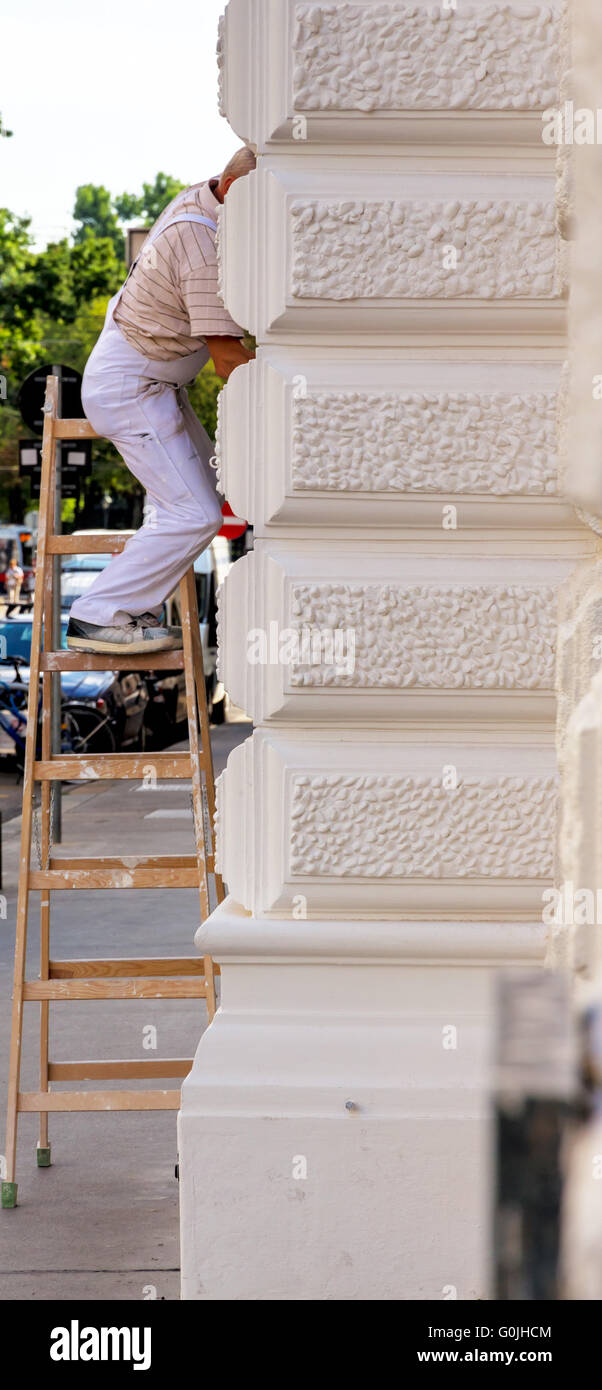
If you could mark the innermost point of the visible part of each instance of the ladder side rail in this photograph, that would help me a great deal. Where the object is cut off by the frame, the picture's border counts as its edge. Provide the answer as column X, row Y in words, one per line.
column 48, row 693
column 207, row 760
column 193, row 671
column 14, row 1069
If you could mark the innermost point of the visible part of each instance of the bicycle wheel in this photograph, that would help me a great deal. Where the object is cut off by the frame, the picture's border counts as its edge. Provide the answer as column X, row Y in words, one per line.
column 86, row 731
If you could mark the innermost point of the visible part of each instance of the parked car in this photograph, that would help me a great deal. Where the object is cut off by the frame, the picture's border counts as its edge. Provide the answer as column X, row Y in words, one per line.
column 209, row 571
column 78, row 572
column 18, row 541
column 121, row 697
column 166, row 711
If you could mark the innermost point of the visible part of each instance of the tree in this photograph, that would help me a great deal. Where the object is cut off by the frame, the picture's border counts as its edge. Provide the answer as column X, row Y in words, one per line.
column 96, row 215
column 151, row 202
column 96, row 270
column 203, row 394
column 19, row 333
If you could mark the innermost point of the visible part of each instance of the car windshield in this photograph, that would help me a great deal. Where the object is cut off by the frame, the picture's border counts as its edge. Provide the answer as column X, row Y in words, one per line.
column 15, row 640
column 86, row 562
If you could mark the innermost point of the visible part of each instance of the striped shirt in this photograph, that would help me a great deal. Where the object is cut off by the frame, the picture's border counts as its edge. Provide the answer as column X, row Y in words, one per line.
column 170, row 300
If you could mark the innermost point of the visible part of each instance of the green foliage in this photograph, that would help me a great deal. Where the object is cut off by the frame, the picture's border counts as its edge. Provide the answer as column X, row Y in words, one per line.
column 19, row 334
column 95, row 212
column 151, row 202
column 203, row 396
column 53, row 307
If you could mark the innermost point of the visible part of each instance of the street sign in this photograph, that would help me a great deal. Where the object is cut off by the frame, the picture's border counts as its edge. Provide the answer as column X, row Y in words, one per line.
column 76, row 458
column 233, row 526
column 76, row 464
column 33, row 390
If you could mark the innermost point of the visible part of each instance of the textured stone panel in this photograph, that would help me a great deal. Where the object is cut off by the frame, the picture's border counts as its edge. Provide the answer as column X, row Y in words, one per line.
column 470, row 636
column 392, row 57
column 385, row 826
column 463, row 442
column 360, row 249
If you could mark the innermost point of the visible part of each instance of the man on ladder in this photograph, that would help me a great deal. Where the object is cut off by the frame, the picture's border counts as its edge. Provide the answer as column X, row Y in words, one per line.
column 160, row 329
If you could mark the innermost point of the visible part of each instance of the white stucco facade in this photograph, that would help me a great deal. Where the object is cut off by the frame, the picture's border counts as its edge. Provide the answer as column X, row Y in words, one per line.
column 387, row 833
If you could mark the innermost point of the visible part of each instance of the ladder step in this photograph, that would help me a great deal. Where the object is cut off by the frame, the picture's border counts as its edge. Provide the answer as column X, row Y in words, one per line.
column 134, row 1069
column 127, row 861
column 36, row 990
column 156, row 966
column 101, row 661
column 40, row 1101
column 123, row 876
column 102, row 544
column 74, row 429
column 74, row 767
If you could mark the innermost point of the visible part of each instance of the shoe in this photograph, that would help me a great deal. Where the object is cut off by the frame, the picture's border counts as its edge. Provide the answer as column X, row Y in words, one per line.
column 149, row 620
column 137, row 638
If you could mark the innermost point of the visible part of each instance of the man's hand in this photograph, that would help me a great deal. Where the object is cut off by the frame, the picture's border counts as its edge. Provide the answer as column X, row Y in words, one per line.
column 227, row 353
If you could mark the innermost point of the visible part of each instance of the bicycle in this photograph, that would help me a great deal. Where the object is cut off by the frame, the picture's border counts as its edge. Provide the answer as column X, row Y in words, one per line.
column 83, row 730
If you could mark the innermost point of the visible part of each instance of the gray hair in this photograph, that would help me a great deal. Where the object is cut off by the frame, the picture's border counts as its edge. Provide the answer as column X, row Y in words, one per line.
column 241, row 163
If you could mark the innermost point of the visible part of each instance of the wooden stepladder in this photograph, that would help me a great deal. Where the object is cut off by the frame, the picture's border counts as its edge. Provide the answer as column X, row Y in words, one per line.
column 164, row 978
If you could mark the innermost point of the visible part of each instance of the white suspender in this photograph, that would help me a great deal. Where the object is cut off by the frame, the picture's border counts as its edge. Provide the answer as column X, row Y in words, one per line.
column 185, row 217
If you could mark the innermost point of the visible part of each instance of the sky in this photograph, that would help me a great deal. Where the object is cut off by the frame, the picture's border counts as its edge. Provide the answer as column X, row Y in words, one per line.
column 108, row 92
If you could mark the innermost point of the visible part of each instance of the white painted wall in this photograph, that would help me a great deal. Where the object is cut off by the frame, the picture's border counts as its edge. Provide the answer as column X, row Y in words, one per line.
column 372, row 900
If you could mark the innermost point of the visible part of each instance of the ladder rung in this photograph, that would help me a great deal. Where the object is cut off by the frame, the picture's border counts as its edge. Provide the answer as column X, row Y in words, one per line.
column 36, row 990
column 83, row 767
column 156, row 965
column 107, row 661
column 75, row 429
column 135, row 1069
column 38, row 1101
column 124, row 876
column 107, row 544
column 128, row 861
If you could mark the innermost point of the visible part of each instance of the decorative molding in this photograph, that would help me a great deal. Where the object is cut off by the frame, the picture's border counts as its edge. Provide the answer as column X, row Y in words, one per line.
column 436, row 441
column 317, row 632
column 391, row 826
column 298, row 75
column 219, row 243
column 371, row 824
column 393, row 248
column 232, row 934
column 217, row 448
column 221, row 66
column 392, row 254
column 475, row 637
column 394, row 57
column 351, row 442
column 218, row 820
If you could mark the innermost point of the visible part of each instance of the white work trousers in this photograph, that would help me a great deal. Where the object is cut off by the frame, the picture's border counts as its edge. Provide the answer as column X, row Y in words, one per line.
column 142, row 407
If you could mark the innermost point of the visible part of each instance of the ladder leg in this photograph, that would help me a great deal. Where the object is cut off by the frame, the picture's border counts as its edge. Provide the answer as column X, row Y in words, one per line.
column 193, row 664
column 207, row 759
column 9, row 1185
column 49, row 694
column 43, row 1150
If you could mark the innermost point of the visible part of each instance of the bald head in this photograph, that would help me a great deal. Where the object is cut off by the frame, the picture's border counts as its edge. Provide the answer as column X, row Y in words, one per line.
column 240, row 164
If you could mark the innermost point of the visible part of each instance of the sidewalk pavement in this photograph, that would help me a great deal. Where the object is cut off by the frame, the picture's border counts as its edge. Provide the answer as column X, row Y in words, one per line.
column 102, row 1222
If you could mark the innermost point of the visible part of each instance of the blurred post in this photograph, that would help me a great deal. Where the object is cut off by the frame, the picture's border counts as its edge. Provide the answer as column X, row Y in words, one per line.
column 536, row 1087
column 56, row 827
